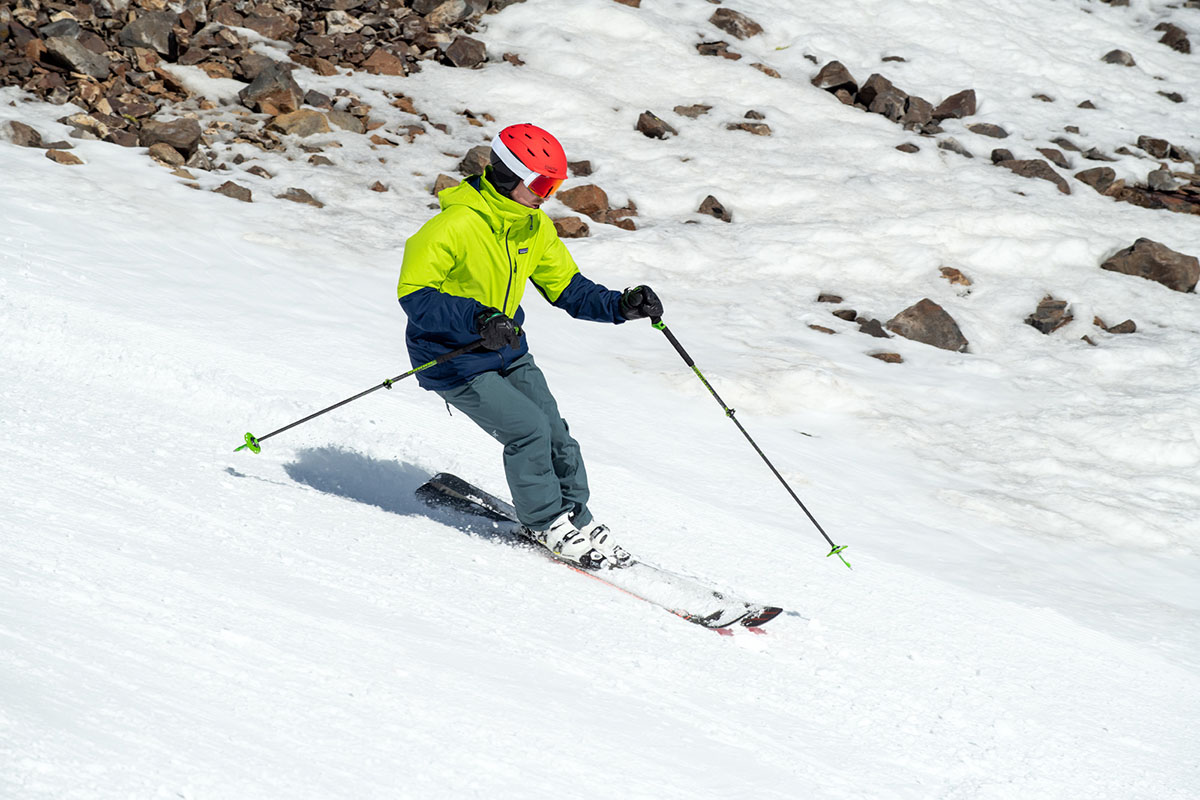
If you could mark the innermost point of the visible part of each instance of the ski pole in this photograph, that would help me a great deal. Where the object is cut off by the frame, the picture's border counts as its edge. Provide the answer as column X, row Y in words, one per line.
column 687, row 359
column 254, row 443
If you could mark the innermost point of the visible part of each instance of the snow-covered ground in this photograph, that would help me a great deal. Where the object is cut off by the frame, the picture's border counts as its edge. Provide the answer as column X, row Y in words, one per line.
column 1023, row 617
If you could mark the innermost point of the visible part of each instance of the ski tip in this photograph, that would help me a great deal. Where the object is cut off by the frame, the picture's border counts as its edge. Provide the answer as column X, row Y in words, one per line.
column 759, row 618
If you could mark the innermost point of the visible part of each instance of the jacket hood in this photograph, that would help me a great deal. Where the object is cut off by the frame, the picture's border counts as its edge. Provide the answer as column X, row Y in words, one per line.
column 499, row 211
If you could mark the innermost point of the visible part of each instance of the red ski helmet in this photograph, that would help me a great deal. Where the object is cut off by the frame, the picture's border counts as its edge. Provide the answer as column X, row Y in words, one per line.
column 533, row 155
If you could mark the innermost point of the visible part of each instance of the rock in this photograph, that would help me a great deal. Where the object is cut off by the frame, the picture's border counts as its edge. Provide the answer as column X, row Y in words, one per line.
column 164, row 154
column 1120, row 57
column 320, row 161
column 928, row 323
column 466, row 53
column 476, row 159
column 571, row 228
column 1037, row 168
column 757, row 128
column 954, row 146
column 231, row 189
column 1174, row 37
column 444, row 182
column 23, row 135
column 770, row 72
column 834, row 76
column 1099, row 178
column 318, row 100
column 871, row 327
column 847, row 314
column 181, row 134
column 384, row 62
column 717, row 49
column 273, row 26
column 1156, row 262
column 918, row 113
column 449, row 13
column 1126, row 327
column 580, row 169
column 1157, row 148
column 692, row 112
column 653, row 127
column 1055, row 157
column 344, row 120
column 300, row 196
column 69, row 53
column 712, row 207
column 378, row 186
column 1087, row 105
column 887, row 358
column 825, row 297
column 955, row 276
column 735, row 23
column 631, row 3
column 1001, row 154
column 956, row 106
column 908, row 147
column 63, row 157
column 881, row 97
column 988, row 129
column 152, row 30
column 588, row 199
column 1174, row 97
column 273, row 92
column 1050, row 315
column 1161, row 180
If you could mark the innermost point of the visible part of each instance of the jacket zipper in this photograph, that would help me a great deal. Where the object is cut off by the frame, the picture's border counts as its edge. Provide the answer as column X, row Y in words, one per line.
column 512, row 270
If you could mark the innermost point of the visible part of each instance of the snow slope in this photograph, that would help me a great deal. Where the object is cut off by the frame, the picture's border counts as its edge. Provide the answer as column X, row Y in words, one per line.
column 1022, row 618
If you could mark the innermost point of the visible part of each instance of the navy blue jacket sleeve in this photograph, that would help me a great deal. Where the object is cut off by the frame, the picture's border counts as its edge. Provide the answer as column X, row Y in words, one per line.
column 586, row 299
column 437, row 312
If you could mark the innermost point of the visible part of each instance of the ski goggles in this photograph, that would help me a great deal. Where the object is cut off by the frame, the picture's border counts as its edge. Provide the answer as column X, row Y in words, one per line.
column 541, row 185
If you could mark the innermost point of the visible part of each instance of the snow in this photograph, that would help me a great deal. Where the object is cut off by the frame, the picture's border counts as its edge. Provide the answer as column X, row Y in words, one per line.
column 179, row 620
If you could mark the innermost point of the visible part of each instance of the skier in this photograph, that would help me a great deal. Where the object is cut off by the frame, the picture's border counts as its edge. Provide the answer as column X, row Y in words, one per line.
column 461, row 280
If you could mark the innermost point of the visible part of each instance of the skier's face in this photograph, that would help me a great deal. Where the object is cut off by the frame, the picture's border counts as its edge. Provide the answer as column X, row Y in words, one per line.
column 525, row 197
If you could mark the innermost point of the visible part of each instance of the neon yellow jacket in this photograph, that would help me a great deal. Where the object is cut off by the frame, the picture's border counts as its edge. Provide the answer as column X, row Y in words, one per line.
column 478, row 253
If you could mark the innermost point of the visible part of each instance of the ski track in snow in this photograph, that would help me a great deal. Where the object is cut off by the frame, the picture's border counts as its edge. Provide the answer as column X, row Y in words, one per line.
column 177, row 620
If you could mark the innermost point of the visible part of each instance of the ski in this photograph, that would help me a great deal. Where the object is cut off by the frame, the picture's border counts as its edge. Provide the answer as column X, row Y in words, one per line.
column 683, row 596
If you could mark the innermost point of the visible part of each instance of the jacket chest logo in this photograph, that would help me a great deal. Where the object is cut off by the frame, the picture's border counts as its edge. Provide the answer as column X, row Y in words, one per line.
column 523, row 250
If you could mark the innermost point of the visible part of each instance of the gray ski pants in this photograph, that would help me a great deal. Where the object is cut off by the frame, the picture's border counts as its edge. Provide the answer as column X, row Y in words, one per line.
column 541, row 460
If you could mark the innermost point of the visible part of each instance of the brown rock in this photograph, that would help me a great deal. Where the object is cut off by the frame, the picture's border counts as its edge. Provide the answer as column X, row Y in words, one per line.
column 770, row 72
column 908, row 147
column 449, row 13
column 164, row 154
column 1036, row 168
column 871, row 327
column 928, row 323
column 346, row 121
column 153, row 30
column 956, row 106
column 273, row 26
column 822, row 329
column 955, row 276
column 1119, row 57
column 273, row 92
column 1157, row 148
column 918, row 112
column 68, row 52
column 1099, row 178
column 182, row 134
column 887, row 358
column 1050, row 315
column 378, row 186
column 717, row 49
column 300, row 196
column 231, row 189
column 988, row 129
column 63, row 157
column 631, row 3
column 1002, row 154
column 834, row 76
column 588, row 199
column 692, row 112
column 571, row 228
column 304, row 122
column 23, row 135
column 1157, row 262
column 1174, row 37
column 735, row 23
column 654, row 128
column 825, row 297
column 476, row 160
column 443, row 182
column 466, row 53
column 881, row 97
column 1055, row 157
column 713, row 208
column 757, row 128
column 580, row 169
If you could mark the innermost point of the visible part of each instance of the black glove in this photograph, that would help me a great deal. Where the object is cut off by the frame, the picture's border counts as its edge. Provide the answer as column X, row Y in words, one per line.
column 496, row 329
column 640, row 301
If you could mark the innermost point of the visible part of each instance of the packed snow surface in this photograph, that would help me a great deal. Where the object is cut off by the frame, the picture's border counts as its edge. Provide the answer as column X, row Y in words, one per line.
column 1023, row 519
